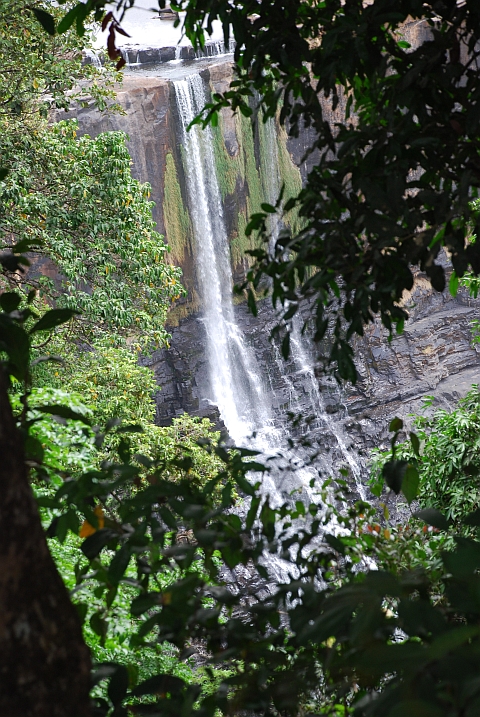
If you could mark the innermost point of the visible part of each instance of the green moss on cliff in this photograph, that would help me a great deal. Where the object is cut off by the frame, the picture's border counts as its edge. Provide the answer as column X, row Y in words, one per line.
column 290, row 177
column 184, row 308
column 229, row 167
column 177, row 220
column 252, row 176
column 239, row 243
column 248, row 179
column 238, row 174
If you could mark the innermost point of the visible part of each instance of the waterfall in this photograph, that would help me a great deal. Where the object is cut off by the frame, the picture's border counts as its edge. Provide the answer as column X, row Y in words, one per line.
column 215, row 48
column 92, row 58
column 237, row 386
column 236, row 382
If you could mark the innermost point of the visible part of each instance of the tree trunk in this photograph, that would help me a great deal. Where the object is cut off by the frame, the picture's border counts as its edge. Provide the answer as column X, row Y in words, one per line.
column 44, row 662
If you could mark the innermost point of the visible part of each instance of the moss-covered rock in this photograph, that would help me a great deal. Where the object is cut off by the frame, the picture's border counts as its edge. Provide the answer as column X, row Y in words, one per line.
column 177, row 221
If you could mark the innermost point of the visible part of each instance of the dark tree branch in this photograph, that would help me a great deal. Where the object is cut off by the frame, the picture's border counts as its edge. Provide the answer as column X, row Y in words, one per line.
column 44, row 662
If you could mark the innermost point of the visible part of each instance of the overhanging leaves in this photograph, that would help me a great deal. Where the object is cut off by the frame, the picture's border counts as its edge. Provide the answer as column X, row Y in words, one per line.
column 52, row 319
column 45, row 19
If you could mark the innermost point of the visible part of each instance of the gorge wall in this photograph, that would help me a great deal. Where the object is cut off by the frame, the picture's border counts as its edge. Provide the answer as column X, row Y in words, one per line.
column 433, row 356
column 152, row 124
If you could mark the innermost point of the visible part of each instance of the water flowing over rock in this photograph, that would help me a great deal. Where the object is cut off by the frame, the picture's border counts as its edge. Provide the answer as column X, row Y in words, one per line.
column 235, row 379
column 221, row 362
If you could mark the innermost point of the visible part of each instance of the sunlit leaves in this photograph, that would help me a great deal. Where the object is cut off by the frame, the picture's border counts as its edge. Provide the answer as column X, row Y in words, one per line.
column 445, row 450
column 94, row 220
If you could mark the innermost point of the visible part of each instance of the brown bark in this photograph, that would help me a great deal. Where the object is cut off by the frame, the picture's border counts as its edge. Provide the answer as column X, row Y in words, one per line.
column 44, row 662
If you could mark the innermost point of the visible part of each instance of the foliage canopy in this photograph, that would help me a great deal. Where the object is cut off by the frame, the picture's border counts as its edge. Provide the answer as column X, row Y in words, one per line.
column 74, row 200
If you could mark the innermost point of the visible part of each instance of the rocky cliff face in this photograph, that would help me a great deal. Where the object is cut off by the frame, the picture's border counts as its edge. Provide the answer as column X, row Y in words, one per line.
column 434, row 355
column 150, row 119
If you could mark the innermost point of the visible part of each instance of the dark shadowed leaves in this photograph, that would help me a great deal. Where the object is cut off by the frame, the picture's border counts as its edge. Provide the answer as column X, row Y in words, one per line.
column 52, row 319
column 433, row 517
column 45, row 19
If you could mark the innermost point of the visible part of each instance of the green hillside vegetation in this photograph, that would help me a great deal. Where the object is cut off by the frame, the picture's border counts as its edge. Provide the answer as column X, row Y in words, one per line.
column 163, row 536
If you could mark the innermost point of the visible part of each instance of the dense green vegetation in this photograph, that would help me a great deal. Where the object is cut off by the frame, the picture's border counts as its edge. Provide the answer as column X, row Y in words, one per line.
column 168, row 575
column 95, row 256
column 75, row 198
column 448, row 457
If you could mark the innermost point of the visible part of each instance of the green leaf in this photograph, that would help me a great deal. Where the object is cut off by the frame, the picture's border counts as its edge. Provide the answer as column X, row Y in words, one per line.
column 25, row 244
column 473, row 518
column 82, row 610
column 396, row 424
column 44, row 501
column 167, row 517
column 251, row 301
column 132, row 674
column 252, row 512
column 142, row 603
column 119, row 564
column 45, row 19
column 452, row 639
column 268, row 208
column 34, row 449
column 433, row 517
column 102, row 672
column 411, row 483
column 159, row 684
column 335, row 543
column 98, row 625
column 414, row 440
column 245, row 485
column 453, row 284
column 68, row 19
column 11, row 262
column 16, row 344
column 64, row 412
column 118, row 685
column 393, row 473
column 9, row 301
column 67, row 521
column 134, row 428
column 53, row 318
column 92, row 545
column 415, row 708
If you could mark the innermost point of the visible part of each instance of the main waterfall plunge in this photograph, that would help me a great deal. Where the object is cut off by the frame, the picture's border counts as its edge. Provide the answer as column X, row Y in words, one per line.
column 234, row 376
column 238, row 388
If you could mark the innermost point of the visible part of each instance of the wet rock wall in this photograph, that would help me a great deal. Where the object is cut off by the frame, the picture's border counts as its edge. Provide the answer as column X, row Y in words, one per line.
column 434, row 355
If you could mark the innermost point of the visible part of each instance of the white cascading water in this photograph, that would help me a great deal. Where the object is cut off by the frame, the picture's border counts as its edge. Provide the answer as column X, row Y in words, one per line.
column 235, row 379
column 237, row 385
column 216, row 48
column 93, row 58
